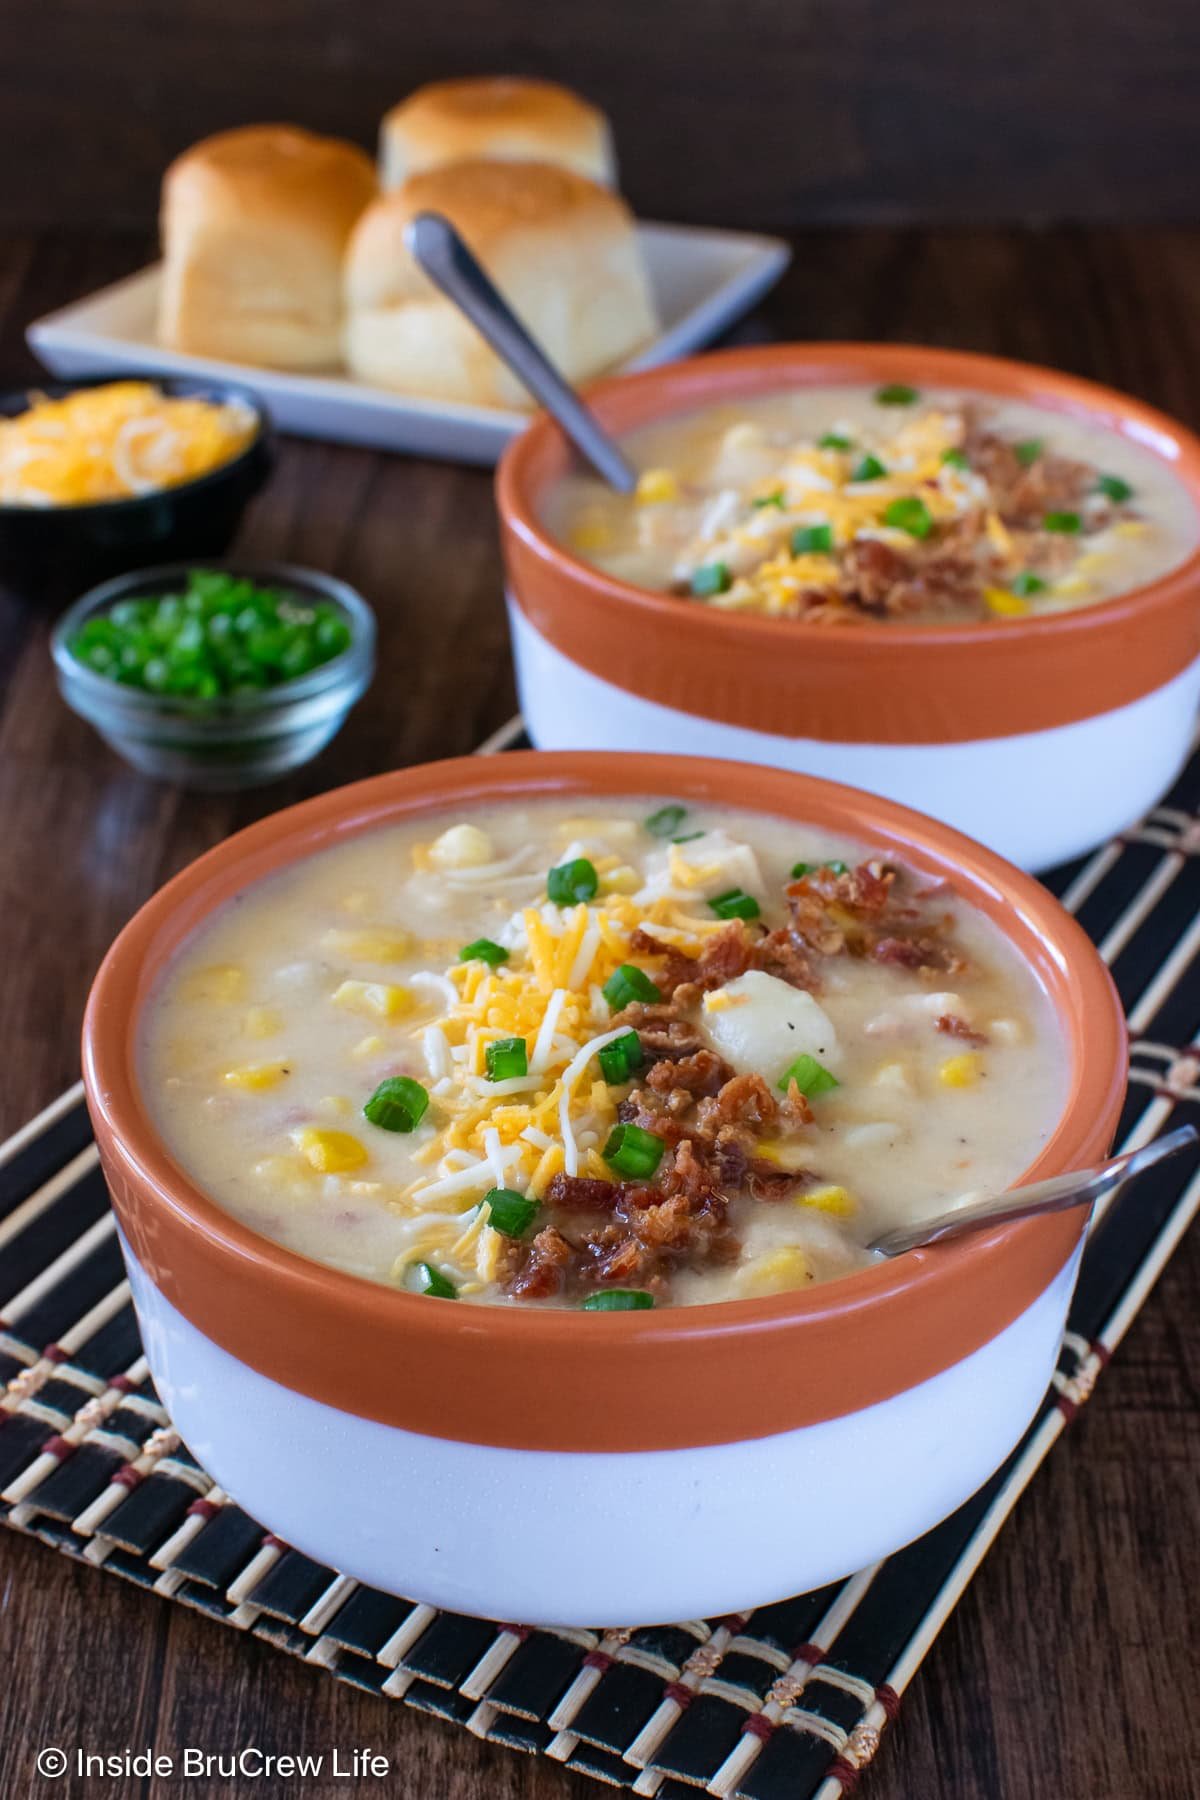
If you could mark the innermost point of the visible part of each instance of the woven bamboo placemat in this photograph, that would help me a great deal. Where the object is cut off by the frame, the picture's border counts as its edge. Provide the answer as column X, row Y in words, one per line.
column 786, row 1703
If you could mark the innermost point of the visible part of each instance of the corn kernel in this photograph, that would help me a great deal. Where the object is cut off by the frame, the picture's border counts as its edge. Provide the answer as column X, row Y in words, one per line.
column 368, row 1046
column 330, row 1152
column 785, row 1153
column 1071, row 587
column 461, row 847
column 375, row 999
column 591, row 534
column 336, row 1104
column 1129, row 528
column 223, row 982
column 891, row 1075
column 262, row 1022
column 621, row 880
column 834, row 1200
column 775, row 1272
column 961, row 1071
column 255, row 1077
column 1008, row 606
column 379, row 944
column 655, row 487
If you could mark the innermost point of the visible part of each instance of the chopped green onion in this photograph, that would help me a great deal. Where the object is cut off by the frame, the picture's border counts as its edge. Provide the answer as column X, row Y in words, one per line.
column 869, row 469
column 688, row 837
column 775, row 499
column 398, row 1104
column 1061, row 521
column 831, row 440
column 895, row 394
column 711, row 578
column 506, row 1058
column 619, row 1300
column 736, row 904
column 629, row 983
column 800, row 870
column 428, row 1280
column 484, row 950
column 633, row 1152
column 572, row 881
column 810, row 1076
column 619, row 1059
column 956, row 458
column 219, row 634
column 1028, row 451
column 665, row 821
column 509, row 1213
column 1114, row 489
column 1027, row 583
column 910, row 514
column 812, row 537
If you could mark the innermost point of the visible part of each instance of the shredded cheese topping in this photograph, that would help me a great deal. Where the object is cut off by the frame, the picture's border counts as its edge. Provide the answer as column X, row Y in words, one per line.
column 520, row 1132
column 114, row 443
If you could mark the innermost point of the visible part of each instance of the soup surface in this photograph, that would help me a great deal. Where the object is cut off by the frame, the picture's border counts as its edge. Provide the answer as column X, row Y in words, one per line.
column 839, row 505
column 608, row 1055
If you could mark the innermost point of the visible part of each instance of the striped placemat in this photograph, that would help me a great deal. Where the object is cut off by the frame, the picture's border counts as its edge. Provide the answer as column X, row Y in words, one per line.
column 786, row 1703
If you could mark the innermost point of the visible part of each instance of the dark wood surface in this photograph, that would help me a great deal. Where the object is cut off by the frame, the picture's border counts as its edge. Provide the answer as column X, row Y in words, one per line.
column 785, row 111
column 1065, row 1674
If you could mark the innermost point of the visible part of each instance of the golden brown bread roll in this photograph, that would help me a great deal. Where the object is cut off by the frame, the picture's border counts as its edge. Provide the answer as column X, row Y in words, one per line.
column 254, row 226
column 495, row 118
column 562, row 251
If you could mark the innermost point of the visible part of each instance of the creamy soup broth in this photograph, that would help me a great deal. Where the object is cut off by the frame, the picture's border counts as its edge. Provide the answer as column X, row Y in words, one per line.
column 402, row 955
column 846, row 504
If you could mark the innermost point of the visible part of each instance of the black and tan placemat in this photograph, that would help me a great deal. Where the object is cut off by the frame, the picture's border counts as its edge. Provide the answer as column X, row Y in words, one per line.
column 786, row 1703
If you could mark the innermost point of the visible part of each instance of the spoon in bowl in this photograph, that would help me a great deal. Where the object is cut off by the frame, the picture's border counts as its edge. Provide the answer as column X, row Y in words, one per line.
column 1082, row 1188
column 445, row 258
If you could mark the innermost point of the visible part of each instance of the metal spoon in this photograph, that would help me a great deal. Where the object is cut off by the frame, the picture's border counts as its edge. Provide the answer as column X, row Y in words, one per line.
column 449, row 264
column 1082, row 1188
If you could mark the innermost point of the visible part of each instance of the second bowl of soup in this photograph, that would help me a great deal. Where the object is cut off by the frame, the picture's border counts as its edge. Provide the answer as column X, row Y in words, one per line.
column 502, row 1143
column 967, row 584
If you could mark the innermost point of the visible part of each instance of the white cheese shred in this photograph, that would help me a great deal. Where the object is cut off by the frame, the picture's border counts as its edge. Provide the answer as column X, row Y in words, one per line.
column 570, row 1076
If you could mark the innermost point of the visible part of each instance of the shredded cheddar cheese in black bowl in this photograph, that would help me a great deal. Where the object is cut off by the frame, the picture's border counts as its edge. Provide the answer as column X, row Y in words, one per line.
column 101, row 475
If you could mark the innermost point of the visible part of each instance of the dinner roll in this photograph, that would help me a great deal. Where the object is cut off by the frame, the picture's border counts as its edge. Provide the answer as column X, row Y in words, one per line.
column 562, row 251
column 254, row 226
column 497, row 118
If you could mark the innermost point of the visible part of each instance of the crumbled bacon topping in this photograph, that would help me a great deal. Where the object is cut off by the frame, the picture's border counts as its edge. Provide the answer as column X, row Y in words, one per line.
column 711, row 1119
column 955, row 1027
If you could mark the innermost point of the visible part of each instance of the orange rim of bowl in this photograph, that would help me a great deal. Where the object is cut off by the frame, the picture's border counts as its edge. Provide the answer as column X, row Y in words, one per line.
column 893, row 684
column 550, row 1379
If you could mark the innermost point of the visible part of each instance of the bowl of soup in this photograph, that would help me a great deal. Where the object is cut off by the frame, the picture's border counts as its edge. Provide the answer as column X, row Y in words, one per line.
column 967, row 584
column 497, row 1147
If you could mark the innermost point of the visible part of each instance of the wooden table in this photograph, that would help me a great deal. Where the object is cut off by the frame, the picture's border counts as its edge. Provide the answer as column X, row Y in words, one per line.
column 1064, row 1674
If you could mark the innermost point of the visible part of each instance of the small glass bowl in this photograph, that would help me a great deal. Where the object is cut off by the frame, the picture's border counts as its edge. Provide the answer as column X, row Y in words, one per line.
column 238, row 740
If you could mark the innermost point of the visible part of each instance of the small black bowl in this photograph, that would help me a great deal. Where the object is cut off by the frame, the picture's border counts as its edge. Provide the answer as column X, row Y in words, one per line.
column 48, row 553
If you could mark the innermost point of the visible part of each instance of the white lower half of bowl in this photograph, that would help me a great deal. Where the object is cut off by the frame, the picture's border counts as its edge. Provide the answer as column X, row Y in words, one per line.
column 579, row 1539
column 1038, row 797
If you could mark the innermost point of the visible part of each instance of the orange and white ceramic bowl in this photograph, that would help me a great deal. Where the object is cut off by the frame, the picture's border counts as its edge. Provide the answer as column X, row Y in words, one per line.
column 1040, row 736
column 595, row 1468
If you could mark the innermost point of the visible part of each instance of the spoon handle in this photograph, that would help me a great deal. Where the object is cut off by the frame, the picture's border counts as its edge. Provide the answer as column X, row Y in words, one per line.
column 1082, row 1188
column 449, row 264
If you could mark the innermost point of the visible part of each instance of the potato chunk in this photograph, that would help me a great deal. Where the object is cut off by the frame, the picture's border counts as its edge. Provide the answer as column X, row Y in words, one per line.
column 767, row 1024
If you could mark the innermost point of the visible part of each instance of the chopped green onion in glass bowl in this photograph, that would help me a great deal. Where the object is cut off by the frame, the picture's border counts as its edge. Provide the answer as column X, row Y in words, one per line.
column 216, row 675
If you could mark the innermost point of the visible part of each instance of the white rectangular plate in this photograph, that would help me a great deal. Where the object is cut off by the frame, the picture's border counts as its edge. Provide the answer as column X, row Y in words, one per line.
column 702, row 281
